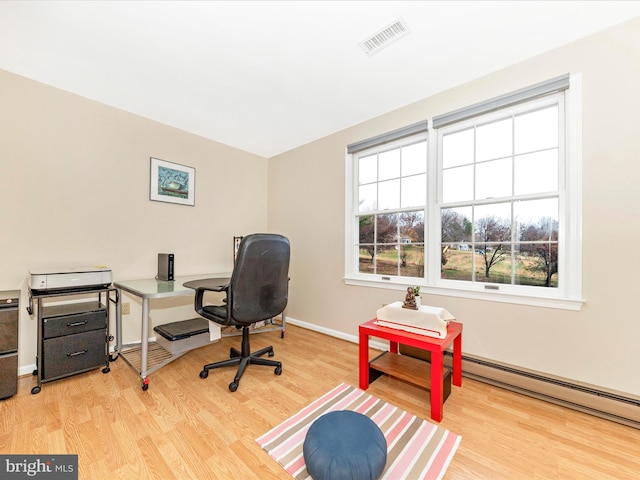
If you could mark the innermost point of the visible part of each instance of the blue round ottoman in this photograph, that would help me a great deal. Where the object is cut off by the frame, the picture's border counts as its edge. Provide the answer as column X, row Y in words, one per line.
column 344, row 445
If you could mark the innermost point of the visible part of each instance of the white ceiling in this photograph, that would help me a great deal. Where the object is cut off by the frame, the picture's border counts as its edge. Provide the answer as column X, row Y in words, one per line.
column 269, row 76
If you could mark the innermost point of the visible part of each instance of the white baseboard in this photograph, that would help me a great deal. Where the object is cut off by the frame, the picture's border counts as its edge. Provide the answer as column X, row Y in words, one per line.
column 592, row 400
column 334, row 333
column 26, row 370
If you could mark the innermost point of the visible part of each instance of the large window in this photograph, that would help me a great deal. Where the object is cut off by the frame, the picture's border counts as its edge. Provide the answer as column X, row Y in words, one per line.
column 500, row 205
column 485, row 204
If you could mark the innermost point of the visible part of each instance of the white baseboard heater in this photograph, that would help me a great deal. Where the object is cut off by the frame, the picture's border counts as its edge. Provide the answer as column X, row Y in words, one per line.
column 605, row 404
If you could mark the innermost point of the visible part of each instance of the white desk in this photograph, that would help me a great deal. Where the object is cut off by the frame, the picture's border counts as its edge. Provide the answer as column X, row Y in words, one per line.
column 140, row 356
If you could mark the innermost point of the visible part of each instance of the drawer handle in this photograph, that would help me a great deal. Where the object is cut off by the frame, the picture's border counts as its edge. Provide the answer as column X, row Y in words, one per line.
column 77, row 324
column 82, row 352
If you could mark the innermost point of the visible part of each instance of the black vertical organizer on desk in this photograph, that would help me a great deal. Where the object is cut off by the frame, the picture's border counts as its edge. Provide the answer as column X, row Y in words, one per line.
column 72, row 337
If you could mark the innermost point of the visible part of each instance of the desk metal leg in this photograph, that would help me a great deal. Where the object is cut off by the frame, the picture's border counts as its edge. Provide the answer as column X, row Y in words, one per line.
column 436, row 385
column 144, row 341
column 118, row 346
column 364, row 360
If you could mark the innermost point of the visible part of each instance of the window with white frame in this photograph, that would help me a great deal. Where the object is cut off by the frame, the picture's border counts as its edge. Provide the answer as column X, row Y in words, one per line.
column 501, row 189
column 484, row 204
column 391, row 198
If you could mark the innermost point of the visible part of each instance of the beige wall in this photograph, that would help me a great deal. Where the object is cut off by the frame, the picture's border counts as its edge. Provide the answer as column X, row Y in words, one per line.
column 597, row 345
column 75, row 192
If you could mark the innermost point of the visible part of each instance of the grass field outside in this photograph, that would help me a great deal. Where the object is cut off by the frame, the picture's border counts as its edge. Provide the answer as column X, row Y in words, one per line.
column 457, row 267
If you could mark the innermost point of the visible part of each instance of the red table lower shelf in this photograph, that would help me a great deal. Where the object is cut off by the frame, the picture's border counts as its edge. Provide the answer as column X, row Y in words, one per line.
column 436, row 346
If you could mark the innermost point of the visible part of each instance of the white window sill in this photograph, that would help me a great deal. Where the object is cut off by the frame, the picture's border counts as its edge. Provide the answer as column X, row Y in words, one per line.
column 492, row 296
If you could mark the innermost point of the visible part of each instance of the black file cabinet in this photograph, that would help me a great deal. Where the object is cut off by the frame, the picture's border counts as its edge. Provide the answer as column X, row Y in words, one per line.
column 72, row 337
column 9, row 301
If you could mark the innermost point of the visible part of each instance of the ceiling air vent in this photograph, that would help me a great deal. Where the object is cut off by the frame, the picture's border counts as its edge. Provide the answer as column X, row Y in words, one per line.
column 385, row 37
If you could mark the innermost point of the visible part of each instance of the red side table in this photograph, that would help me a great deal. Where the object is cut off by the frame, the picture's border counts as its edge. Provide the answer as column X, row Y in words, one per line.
column 436, row 346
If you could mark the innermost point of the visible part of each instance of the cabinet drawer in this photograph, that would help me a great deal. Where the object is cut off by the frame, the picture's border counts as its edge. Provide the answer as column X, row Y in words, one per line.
column 8, row 330
column 73, row 353
column 72, row 324
column 8, row 375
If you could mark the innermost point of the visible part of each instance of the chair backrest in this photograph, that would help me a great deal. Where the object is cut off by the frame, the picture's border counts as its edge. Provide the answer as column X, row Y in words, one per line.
column 259, row 283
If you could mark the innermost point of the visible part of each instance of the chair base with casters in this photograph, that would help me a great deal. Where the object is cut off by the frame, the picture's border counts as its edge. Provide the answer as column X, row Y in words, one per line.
column 243, row 358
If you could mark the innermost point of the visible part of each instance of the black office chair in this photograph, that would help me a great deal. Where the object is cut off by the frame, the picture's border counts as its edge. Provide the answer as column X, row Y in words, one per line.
column 257, row 291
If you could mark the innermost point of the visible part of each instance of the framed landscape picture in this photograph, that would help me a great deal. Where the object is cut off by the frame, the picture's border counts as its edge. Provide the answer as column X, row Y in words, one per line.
column 171, row 182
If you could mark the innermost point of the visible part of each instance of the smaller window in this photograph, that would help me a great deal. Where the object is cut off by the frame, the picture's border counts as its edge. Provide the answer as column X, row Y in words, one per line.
column 391, row 200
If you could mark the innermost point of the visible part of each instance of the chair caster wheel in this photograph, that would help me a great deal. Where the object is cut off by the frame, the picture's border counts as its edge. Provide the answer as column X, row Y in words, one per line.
column 35, row 390
column 145, row 387
column 106, row 370
column 204, row 373
column 233, row 386
column 278, row 371
column 271, row 354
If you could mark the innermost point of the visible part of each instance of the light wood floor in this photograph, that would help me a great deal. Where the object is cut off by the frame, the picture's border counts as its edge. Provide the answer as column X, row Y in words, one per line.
column 184, row 427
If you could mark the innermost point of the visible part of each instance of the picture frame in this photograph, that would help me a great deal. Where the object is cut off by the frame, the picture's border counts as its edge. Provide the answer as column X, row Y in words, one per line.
column 171, row 182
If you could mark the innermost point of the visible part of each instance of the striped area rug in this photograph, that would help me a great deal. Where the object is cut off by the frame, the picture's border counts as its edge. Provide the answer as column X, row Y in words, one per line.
column 416, row 449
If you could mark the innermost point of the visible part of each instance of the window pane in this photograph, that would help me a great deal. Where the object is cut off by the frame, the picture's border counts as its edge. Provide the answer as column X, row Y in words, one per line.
column 366, row 254
column 387, row 228
column 537, row 265
column 414, row 191
column 389, row 164
column 456, row 227
column 366, row 228
column 493, row 140
column 412, row 260
column 457, row 184
column 537, row 130
column 412, row 227
column 367, row 169
column 456, row 265
column 492, row 223
column 537, row 219
column 389, row 194
column 536, row 172
column 387, row 260
column 457, row 148
column 414, row 159
column 493, row 179
column 493, row 263
column 367, row 198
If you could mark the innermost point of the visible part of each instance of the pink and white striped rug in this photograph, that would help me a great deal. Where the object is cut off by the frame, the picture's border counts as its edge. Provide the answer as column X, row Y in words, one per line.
column 416, row 449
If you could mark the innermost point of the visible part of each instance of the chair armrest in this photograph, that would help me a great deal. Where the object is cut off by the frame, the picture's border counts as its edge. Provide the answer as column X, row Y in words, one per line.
column 217, row 288
column 198, row 300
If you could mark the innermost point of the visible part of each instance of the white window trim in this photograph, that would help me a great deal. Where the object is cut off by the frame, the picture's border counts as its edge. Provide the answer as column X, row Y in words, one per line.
column 570, row 298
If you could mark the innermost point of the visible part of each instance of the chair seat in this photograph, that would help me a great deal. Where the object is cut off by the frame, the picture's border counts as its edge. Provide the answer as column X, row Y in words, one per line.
column 218, row 312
